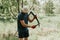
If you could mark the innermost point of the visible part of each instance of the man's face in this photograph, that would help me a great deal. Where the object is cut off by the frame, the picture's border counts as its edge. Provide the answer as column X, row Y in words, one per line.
column 25, row 10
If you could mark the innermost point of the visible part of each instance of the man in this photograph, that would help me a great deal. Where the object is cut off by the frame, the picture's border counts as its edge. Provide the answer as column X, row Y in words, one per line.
column 23, row 26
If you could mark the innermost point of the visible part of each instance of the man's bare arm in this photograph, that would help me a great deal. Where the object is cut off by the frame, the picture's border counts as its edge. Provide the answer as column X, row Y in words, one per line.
column 24, row 24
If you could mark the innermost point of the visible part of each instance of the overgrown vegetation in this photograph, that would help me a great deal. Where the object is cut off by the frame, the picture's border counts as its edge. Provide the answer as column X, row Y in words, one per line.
column 50, row 25
column 49, row 7
column 9, row 9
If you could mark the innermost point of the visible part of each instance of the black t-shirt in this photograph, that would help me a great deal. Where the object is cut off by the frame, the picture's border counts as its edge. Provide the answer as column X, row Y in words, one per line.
column 22, row 16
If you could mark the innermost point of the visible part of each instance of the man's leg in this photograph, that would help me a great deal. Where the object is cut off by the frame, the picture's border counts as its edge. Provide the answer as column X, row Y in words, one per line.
column 26, row 38
column 20, row 38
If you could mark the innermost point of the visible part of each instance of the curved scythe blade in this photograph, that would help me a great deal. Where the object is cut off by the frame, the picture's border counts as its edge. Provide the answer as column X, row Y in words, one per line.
column 36, row 18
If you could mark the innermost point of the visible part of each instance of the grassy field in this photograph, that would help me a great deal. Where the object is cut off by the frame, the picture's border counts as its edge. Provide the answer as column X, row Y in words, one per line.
column 49, row 29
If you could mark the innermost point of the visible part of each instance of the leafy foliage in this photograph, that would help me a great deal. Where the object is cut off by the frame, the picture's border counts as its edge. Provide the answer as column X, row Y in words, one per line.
column 8, row 10
column 49, row 7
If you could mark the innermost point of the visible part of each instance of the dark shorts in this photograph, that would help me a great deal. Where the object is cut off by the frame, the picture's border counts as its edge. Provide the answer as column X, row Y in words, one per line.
column 23, row 34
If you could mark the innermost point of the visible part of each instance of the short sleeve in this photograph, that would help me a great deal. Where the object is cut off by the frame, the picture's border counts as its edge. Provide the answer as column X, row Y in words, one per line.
column 20, row 17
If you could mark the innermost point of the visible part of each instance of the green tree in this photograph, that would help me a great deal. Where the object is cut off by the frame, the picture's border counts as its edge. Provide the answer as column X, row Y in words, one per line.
column 8, row 10
column 49, row 7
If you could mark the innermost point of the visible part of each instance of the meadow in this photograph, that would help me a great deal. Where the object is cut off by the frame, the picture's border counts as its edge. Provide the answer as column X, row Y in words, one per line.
column 49, row 29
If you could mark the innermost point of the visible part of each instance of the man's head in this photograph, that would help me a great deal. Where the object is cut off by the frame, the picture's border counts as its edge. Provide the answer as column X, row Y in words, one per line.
column 25, row 9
